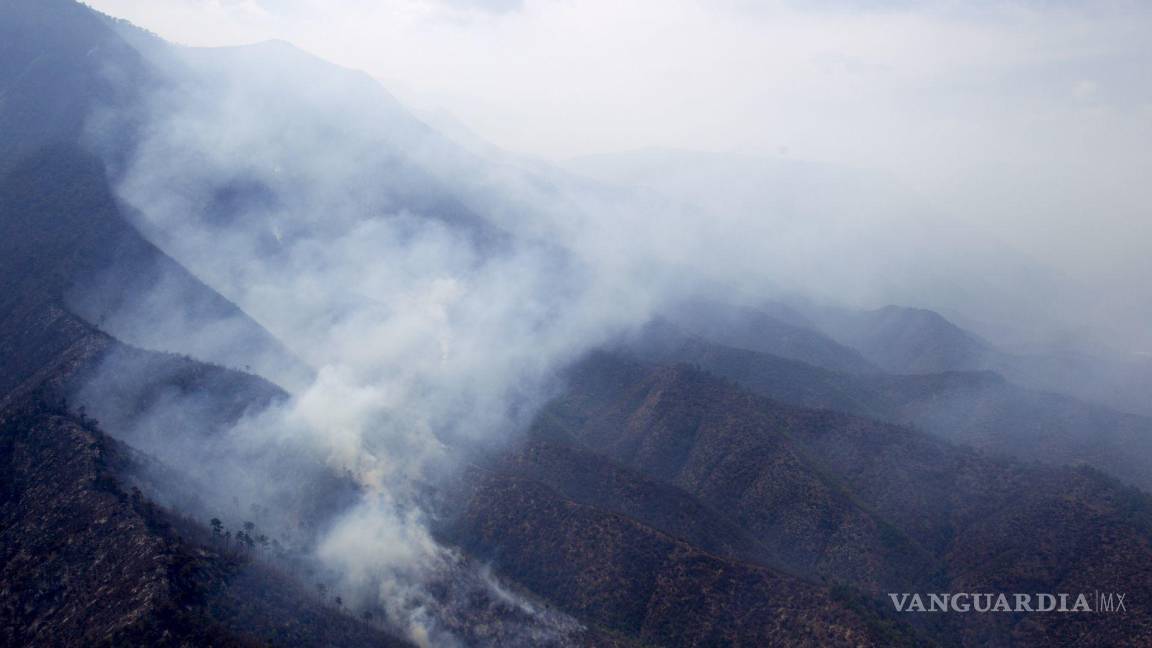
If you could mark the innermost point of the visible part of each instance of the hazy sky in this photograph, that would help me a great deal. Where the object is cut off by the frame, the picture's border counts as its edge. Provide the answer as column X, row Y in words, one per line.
column 856, row 80
column 1032, row 117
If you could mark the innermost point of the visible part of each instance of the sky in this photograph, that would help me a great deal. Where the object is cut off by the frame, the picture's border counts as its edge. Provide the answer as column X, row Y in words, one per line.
column 1031, row 119
column 850, row 80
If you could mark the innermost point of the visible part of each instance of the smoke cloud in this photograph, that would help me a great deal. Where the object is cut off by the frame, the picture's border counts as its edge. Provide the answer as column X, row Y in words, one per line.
column 1022, row 126
column 436, row 296
column 437, row 292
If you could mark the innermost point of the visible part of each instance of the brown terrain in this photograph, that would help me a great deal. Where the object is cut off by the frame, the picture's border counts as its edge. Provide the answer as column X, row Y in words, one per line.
column 752, row 483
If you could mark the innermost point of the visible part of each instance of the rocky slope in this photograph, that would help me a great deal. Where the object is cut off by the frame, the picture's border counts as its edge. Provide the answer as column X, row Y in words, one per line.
column 652, row 503
column 977, row 408
column 874, row 506
column 86, row 560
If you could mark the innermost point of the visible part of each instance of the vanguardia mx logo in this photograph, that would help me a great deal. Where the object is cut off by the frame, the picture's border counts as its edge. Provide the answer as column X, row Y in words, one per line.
column 1094, row 602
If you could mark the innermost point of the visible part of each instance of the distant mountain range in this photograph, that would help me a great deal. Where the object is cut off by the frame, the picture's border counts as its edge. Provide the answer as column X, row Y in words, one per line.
column 727, row 475
column 861, row 237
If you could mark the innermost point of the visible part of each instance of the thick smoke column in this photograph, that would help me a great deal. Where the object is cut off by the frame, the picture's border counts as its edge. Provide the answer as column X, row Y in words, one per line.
column 435, row 311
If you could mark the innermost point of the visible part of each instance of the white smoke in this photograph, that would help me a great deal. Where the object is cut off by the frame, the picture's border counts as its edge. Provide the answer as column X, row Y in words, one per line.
column 436, row 295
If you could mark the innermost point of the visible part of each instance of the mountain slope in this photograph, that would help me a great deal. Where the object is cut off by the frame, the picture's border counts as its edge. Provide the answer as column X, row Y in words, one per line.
column 63, row 240
column 636, row 580
column 983, row 410
column 757, row 330
column 915, row 340
column 910, row 340
column 976, row 408
column 62, row 228
column 654, row 502
column 856, row 499
column 61, row 64
column 71, row 84
column 85, row 560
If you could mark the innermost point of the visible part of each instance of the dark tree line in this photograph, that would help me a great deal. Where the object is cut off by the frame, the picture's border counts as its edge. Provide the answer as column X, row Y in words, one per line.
column 247, row 538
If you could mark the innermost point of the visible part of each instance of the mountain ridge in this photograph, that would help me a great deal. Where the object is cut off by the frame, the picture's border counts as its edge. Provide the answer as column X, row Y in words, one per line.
column 678, row 490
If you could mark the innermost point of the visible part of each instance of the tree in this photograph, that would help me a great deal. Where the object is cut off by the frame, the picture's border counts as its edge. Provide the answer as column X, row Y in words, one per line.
column 217, row 527
column 322, row 590
column 244, row 540
column 339, row 602
column 249, row 527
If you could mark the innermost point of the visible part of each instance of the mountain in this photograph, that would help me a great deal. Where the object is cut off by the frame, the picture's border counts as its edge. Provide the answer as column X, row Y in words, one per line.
column 816, row 233
column 731, row 476
column 86, row 560
column 979, row 408
column 77, row 259
column 870, row 505
column 66, row 241
column 62, row 225
column 915, row 340
column 61, row 63
column 986, row 411
column 908, row 340
column 757, row 330
column 637, row 581
column 779, row 377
